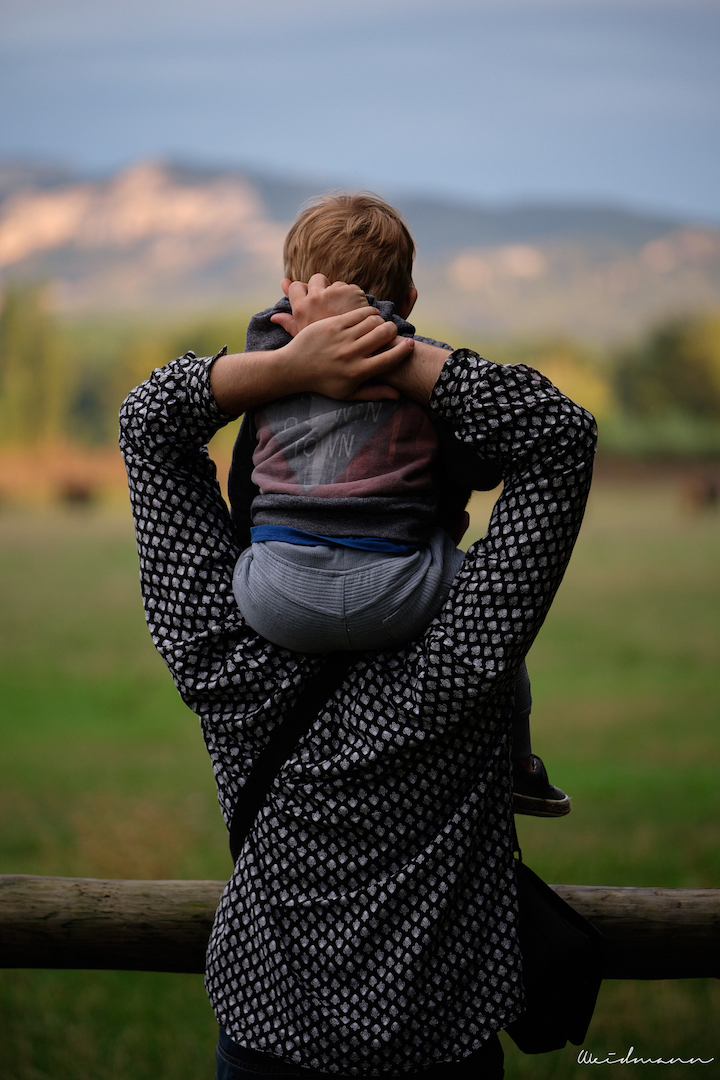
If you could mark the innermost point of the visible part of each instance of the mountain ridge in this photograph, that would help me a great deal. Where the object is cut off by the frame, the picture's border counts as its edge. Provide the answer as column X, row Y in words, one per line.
column 284, row 195
column 164, row 235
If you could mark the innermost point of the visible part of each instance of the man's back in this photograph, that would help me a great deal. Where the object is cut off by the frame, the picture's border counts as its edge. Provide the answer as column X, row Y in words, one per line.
column 370, row 922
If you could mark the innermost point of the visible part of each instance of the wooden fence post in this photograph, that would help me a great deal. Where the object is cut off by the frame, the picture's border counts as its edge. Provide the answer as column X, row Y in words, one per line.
column 55, row 922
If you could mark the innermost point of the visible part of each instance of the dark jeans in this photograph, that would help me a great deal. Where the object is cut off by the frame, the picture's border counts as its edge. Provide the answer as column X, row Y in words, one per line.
column 239, row 1063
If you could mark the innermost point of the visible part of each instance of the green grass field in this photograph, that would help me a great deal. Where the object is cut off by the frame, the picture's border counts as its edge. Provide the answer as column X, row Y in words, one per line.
column 104, row 773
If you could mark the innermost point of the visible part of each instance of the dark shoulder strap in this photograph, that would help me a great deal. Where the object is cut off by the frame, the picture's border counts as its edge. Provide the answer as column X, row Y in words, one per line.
column 282, row 744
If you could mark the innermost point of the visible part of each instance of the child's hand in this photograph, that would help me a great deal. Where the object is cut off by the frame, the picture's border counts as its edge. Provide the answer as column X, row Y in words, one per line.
column 317, row 300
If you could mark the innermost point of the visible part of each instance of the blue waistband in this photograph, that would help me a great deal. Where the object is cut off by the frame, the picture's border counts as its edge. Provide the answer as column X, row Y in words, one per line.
column 260, row 533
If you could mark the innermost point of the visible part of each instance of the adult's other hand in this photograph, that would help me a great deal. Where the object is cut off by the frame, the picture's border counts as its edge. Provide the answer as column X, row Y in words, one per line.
column 334, row 356
column 317, row 300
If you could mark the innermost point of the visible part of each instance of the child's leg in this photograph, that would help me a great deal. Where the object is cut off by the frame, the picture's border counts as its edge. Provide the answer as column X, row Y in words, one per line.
column 521, row 747
column 533, row 794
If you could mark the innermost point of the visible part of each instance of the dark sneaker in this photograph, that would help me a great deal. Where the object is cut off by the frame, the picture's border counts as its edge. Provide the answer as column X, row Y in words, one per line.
column 534, row 795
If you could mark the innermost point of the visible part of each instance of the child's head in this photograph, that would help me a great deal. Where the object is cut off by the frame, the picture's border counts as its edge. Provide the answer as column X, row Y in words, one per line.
column 359, row 239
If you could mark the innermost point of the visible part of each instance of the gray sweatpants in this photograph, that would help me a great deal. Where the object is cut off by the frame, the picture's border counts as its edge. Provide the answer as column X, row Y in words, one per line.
column 332, row 599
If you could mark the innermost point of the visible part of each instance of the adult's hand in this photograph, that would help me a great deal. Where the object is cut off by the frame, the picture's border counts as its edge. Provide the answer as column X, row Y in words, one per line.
column 333, row 357
column 415, row 377
column 317, row 300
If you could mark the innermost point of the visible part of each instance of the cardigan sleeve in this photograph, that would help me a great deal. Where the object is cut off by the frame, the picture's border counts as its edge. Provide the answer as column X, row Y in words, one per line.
column 543, row 445
column 187, row 549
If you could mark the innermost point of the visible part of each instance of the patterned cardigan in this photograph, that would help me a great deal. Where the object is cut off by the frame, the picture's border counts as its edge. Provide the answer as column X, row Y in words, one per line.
column 370, row 924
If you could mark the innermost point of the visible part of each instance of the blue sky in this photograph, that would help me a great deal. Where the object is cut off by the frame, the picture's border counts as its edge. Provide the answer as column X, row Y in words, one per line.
column 493, row 100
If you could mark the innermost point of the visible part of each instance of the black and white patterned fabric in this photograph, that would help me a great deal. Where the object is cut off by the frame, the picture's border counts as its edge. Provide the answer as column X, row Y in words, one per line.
column 370, row 925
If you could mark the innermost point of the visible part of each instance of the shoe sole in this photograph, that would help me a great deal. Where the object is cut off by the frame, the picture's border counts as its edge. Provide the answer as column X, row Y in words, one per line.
column 524, row 804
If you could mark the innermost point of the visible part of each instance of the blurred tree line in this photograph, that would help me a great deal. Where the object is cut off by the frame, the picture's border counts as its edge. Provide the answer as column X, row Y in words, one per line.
column 34, row 376
column 64, row 381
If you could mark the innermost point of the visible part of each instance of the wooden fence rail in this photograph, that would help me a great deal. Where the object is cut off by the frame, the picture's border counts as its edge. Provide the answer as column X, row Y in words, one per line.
column 55, row 922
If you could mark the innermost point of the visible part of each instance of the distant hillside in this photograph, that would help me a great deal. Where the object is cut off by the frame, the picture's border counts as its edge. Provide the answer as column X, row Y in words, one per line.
column 172, row 237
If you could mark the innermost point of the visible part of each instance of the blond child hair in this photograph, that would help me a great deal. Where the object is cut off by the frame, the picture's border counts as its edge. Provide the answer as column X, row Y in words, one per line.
column 359, row 239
